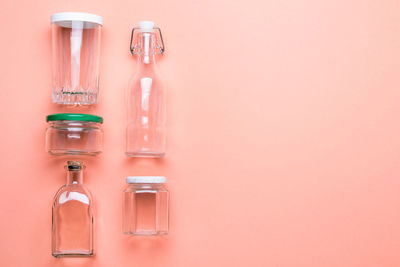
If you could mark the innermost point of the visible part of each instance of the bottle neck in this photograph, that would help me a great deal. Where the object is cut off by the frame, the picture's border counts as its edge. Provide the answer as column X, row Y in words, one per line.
column 147, row 49
column 149, row 62
column 74, row 177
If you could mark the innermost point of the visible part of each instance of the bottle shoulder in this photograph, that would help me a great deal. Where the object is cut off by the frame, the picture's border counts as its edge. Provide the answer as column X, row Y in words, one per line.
column 137, row 76
column 146, row 70
column 77, row 192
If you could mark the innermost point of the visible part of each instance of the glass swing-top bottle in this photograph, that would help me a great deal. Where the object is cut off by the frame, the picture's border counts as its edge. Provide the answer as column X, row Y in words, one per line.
column 72, row 230
column 146, row 130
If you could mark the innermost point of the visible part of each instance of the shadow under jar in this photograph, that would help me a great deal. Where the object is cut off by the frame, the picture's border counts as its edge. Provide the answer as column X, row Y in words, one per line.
column 74, row 134
column 145, row 210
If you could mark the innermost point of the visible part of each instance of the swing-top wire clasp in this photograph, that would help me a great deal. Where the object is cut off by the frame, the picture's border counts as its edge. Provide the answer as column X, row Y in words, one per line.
column 160, row 48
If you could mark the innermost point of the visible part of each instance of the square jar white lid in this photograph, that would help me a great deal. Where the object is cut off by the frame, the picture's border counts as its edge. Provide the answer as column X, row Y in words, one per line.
column 146, row 179
column 65, row 19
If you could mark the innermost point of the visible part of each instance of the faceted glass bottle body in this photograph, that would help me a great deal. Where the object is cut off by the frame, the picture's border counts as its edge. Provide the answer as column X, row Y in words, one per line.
column 146, row 130
column 72, row 230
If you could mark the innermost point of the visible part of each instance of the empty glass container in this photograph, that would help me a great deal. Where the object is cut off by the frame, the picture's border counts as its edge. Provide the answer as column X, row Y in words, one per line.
column 146, row 125
column 145, row 207
column 76, row 55
column 74, row 134
column 72, row 227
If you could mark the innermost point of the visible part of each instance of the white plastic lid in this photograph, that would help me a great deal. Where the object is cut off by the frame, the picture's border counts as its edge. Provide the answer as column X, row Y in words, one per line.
column 65, row 19
column 146, row 179
column 146, row 26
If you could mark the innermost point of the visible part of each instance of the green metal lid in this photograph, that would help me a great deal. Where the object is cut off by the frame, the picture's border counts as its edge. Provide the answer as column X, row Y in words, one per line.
column 74, row 117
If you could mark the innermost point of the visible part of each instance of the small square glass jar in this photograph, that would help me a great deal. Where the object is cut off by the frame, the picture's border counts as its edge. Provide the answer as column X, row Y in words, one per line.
column 145, row 206
column 74, row 134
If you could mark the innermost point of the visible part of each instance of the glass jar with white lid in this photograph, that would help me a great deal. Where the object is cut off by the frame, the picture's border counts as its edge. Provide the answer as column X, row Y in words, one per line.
column 145, row 206
column 76, row 57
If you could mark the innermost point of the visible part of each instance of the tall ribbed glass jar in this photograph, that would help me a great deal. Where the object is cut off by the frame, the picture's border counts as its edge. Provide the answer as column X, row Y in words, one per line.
column 76, row 57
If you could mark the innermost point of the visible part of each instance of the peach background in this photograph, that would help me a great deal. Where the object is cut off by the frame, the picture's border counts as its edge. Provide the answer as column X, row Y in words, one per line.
column 283, row 133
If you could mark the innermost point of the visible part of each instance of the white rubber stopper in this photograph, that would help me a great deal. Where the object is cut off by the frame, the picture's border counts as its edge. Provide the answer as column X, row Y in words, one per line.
column 146, row 26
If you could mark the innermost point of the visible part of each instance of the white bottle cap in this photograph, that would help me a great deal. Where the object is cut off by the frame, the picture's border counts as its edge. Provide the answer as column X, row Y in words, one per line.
column 146, row 26
column 146, row 179
column 65, row 19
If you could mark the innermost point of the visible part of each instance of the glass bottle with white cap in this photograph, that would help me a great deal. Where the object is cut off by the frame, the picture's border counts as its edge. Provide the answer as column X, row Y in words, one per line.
column 146, row 130
column 72, row 229
column 76, row 56
column 145, row 206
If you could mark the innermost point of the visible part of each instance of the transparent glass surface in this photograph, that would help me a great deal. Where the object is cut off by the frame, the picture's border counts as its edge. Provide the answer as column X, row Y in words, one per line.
column 76, row 56
column 145, row 209
column 72, row 228
column 74, row 138
column 146, row 129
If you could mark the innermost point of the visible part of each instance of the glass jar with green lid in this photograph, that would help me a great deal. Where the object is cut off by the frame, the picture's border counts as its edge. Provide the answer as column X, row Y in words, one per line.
column 74, row 134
